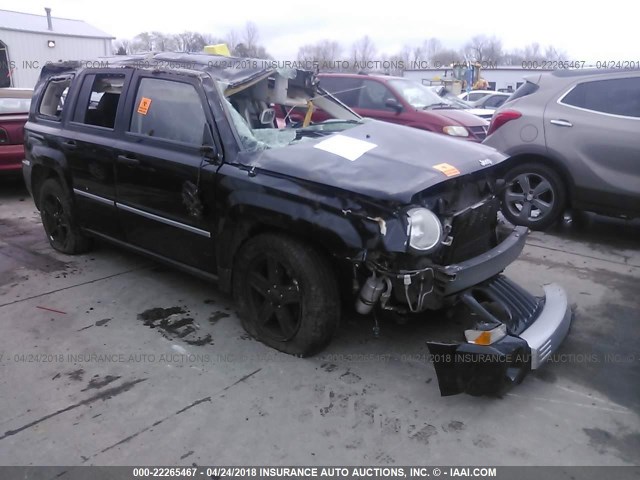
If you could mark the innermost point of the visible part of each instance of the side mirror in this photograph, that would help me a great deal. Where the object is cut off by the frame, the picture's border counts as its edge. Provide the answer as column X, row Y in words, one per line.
column 393, row 104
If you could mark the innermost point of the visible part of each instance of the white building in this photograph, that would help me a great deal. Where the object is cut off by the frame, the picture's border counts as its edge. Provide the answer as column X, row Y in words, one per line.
column 499, row 78
column 28, row 41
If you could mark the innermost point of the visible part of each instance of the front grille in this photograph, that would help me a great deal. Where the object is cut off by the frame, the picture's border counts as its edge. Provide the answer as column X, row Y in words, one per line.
column 473, row 232
column 520, row 307
column 479, row 132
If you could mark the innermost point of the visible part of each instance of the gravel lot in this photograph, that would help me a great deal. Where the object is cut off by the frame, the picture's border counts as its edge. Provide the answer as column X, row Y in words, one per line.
column 109, row 358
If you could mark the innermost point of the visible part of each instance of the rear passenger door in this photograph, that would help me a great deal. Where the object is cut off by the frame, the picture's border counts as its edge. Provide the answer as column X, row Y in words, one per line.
column 90, row 135
column 595, row 127
column 164, row 185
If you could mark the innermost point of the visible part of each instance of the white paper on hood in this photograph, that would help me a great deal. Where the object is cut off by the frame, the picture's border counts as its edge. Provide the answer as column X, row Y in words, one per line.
column 346, row 147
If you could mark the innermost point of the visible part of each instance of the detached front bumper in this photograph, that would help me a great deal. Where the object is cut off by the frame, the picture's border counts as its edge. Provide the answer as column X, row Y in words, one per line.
column 536, row 327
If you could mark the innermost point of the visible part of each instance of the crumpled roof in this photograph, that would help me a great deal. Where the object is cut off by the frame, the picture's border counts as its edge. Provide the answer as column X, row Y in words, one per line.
column 28, row 22
column 231, row 70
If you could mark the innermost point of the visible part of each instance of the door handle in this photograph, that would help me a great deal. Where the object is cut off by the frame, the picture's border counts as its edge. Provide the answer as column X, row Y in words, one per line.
column 70, row 144
column 128, row 160
column 561, row 123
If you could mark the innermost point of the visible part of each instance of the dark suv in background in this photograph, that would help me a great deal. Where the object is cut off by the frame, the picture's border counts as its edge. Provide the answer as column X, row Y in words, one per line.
column 574, row 139
column 405, row 102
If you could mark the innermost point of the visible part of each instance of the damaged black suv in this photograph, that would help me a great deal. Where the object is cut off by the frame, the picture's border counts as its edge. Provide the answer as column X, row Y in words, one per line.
column 197, row 161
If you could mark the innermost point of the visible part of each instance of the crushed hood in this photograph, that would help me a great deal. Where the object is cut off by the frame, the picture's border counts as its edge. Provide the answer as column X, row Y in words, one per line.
column 399, row 164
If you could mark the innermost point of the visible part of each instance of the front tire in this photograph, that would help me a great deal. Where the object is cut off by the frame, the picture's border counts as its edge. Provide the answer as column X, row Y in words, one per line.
column 535, row 196
column 56, row 212
column 287, row 294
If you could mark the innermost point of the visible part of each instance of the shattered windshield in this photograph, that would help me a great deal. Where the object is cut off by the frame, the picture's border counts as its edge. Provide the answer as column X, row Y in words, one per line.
column 418, row 95
column 262, row 124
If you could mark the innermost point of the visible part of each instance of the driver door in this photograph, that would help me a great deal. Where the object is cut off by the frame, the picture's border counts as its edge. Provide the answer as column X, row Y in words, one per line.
column 164, row 186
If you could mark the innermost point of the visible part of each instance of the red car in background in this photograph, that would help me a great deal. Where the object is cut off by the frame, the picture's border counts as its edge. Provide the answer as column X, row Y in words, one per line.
column 14, row 111
column 404, row 101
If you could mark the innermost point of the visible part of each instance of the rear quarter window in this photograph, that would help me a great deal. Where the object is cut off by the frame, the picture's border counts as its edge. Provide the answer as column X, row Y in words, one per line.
column 527, row 88
column 619, row 96
column 53, row 98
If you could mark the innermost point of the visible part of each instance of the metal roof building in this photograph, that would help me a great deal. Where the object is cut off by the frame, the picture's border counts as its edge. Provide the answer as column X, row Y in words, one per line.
column 28, row 41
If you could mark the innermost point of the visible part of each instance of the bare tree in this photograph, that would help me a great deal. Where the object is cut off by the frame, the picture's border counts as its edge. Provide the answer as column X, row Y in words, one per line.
column 251, row 37
column 122, row 46
column 513, row 58
column 232, row 40
column 554, row 54
column 162, row 42
column 324, row 53
column 143, row 42
column 483, row 49
column 362, row 52
column 247, row 44
column 445, row 57
column 189, row 42
column 533, row 52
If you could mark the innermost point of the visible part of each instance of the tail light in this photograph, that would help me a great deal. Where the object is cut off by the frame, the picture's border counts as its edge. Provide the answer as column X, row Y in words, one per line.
column 502, row 117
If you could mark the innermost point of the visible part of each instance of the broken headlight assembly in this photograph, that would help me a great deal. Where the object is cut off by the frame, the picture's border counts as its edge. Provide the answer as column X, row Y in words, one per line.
column 425, row 230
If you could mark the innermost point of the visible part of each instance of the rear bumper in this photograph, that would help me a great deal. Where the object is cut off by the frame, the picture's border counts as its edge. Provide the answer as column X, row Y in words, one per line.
column 11, row 157
column 494, row 369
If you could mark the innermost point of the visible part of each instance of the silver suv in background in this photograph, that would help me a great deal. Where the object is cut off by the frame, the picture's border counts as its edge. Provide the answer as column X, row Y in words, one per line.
column 574, row 140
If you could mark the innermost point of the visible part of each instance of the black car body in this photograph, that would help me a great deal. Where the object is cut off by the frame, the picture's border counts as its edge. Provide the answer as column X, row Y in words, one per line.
column 178, row 156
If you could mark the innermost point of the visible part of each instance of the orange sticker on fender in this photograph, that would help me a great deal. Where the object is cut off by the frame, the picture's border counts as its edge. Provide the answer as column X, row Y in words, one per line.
column 143, row 106
column 448, row 170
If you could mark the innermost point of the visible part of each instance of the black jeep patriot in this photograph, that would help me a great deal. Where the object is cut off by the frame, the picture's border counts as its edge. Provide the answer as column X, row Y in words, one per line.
column 196, row 160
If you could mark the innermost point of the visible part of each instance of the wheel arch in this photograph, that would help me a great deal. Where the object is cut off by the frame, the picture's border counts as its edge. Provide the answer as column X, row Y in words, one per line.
column 42, row 172
column 239, row 230
column 548, row 161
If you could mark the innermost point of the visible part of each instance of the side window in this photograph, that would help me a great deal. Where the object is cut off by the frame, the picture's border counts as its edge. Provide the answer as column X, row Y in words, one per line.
column 53, row 98
column 168, row 110
column 373, row 95
column 345, row 89
column 101, row 106
column 476, row 96
column 495, row 101
column 620, row 96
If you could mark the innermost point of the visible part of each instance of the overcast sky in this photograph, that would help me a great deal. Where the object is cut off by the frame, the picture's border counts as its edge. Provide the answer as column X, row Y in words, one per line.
column 589, row 31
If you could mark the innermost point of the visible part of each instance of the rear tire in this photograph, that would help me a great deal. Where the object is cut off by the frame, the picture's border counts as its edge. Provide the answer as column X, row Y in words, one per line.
column 287, row 294
column 535, row 196
column 56, row 212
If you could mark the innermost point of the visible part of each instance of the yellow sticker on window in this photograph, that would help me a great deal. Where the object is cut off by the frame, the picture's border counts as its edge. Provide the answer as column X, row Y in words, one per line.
column 448, row 170
column 143, row 106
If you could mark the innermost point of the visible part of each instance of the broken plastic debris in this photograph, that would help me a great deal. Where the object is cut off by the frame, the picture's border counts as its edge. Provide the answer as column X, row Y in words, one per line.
column 179, row 349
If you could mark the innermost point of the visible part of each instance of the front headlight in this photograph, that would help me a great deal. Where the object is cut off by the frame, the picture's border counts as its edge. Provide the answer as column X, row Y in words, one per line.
column 425, row 230
column 456, row 131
